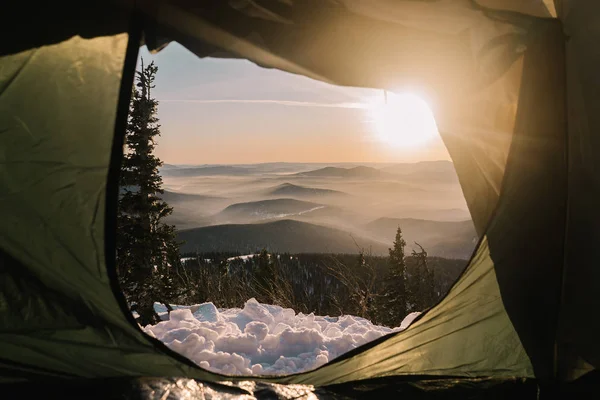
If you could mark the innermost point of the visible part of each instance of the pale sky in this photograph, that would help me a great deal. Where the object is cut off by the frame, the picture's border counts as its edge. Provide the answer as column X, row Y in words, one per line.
column 215, row 111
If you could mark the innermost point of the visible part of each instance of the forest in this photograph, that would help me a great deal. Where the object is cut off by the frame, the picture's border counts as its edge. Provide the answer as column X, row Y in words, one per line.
column 323, row 284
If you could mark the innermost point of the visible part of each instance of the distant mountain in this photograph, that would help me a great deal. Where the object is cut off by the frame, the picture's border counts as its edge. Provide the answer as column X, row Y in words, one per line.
column 188, row 220
column 174, row 197
column 279, row 167
column 390, row 188
column 447, row 239
column 281, row 236
column 206, row 171
column 169, row 166
column 289, row 189
column 437, row 170
column 356, row 172
column 269, row 209
column 192, row 210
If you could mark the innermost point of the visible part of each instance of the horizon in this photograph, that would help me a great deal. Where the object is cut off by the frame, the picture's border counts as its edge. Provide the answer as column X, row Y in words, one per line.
column 227, row 111
column 309, row 162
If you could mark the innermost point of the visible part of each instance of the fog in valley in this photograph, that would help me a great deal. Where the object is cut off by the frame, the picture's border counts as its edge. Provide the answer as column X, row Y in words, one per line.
column 319, row 208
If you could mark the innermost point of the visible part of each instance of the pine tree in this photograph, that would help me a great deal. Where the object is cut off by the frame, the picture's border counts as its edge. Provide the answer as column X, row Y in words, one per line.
column 429, row 295
column 414, row 287
column 147, row 252
column 263, row 276
column 396, row 291
column 421, row 287
column 432, row 296
column 364, row 292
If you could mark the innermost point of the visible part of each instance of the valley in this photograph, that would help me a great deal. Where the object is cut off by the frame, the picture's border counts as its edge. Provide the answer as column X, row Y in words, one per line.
column 319, row 208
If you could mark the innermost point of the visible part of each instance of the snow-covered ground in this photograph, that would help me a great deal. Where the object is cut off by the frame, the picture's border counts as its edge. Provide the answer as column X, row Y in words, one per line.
column 260, row 338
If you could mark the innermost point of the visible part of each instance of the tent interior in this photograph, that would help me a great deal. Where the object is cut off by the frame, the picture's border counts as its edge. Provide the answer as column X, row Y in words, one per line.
column 516, row 96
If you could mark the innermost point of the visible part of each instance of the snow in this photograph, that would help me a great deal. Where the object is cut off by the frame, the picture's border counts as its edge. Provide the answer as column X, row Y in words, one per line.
column 184, row 259
column 244, row 258
column 262, row 339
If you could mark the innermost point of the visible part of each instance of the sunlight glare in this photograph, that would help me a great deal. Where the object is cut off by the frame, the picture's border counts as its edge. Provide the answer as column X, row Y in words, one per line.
column 406, row 121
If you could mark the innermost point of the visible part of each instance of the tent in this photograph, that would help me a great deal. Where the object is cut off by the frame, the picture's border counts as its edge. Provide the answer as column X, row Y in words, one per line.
column 515, row 88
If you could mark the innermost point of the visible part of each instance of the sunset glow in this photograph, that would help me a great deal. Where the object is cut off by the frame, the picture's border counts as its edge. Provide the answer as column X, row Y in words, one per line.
column 216, row 111
column 404, row 121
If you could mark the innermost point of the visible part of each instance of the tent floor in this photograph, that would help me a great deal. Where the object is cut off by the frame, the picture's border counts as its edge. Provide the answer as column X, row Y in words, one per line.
column 384, row 388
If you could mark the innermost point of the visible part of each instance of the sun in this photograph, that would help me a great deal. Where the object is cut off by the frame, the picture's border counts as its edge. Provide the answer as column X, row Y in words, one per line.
column 403, row 121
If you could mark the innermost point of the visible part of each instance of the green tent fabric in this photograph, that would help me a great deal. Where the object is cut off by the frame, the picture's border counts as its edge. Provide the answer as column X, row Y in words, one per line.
column 514, row 87
column 59, row 313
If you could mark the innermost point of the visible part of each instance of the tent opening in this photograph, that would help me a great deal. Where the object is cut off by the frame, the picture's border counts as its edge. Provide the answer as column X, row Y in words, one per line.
column 269, row 223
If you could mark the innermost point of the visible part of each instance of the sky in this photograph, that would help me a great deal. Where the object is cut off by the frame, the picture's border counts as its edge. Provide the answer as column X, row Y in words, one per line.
column 225, row 111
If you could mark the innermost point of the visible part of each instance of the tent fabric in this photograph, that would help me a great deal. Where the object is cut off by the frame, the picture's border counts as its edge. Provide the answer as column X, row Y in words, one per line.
column 514, row 92
column 184, row 388
column 467, row 334
column 469, row 60
column 579, row 332
column 537, row 8
column 58, row 312
column 527, row 233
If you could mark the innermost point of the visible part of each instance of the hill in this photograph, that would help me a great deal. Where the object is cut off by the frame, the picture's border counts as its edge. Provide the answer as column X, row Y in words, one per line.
column 289, row 189
column 449, row 239
column 355, row 172
column 206, row 171
column 165, row 167
column 268, row 209
column 280, row 236
column 192, row 210
column 174, row 197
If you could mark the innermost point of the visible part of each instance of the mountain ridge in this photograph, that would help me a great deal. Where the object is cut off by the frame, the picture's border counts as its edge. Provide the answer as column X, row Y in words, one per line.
column 450, row 239
column 290, row 189
column 355, row 172
column 283, row 236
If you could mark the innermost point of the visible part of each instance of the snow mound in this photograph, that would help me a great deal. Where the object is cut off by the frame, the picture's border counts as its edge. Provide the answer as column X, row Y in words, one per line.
column 262, row 339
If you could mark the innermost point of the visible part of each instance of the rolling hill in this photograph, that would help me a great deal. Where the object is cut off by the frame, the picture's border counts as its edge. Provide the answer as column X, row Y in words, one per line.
column 355, row 172
column 175, row 197
column 206, row 171
column 289, row 189
column 281, row 236
column 447, row 239
column 192, row 210
column 268, row 209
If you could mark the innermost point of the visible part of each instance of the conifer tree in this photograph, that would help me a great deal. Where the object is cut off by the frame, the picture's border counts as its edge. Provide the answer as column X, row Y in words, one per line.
column 414, row 284
column 396, row 291
column 429, row 294
column 266, row 275
column 147, row 252
column 421, row 282
column 364, row 294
